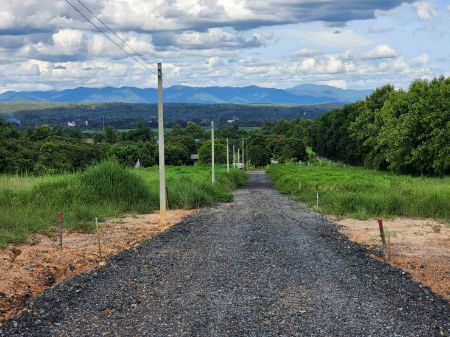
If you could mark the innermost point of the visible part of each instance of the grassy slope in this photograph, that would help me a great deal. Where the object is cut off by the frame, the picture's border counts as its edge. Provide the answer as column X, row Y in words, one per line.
column 362, row 193
column 11, row 107
column 30, row 204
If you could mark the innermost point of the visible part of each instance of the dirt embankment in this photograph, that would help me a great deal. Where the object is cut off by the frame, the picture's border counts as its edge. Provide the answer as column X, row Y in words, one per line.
column 419, row 246
column 28, row 270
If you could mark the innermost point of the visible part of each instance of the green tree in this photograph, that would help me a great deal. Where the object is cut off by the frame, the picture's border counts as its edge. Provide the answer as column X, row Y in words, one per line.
column 220, row 152
column 176, row 154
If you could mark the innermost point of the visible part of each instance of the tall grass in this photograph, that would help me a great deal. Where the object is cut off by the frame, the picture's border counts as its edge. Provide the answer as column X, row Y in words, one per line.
column 29, row 204
column 362, row 193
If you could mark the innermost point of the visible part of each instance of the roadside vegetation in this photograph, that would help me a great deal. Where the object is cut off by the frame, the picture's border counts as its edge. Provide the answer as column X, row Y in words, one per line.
column 29, row 205
column 363, row 193
column 403, row 131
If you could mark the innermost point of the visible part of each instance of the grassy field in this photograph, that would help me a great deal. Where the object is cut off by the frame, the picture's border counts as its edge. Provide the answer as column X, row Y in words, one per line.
column 11, row 107
column 29, row 204
column 361, row 193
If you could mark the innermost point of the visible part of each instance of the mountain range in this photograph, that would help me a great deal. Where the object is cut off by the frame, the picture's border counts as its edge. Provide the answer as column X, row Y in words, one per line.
column 299, row 95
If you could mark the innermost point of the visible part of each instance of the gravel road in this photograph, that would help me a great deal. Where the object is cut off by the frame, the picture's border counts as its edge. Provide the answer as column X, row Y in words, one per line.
column 260, row 266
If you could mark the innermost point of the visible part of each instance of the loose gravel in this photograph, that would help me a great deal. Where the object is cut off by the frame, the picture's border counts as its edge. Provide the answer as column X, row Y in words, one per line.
column 260, row 266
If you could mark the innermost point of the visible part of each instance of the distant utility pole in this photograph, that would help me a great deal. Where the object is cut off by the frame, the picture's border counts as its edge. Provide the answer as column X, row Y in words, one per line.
column 228, row 156
column 243, row 153
column 248, row 157
column 239, row 156
column 213, row 174
column 234, row 157
column 162, row 168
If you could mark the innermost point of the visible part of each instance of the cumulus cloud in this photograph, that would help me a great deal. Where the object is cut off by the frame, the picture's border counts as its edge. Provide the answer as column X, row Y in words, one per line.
column 381, row 51
column 421, row 59
column 425, row 10
column 48, row 44
column 305, row 52
column 211, row 39
column 343, row 84
column 198, row 15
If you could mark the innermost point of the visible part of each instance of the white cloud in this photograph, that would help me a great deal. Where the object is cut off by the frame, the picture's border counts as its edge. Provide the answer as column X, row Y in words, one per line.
column 425, row 10
column 421, row 59
column 343, row 84
column 380, row 52
column 211, row 39
column 326, row 65
column 305, row 52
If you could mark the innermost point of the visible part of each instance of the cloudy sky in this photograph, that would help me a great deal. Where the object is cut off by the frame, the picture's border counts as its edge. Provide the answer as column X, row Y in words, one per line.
column 46, row 44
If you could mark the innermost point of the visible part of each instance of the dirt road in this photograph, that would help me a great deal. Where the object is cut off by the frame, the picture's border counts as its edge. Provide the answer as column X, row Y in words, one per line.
column 260, row 266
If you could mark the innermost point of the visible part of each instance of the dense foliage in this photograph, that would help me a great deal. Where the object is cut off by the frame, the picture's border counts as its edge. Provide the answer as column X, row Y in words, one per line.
column 53, row 149
column 397, row 130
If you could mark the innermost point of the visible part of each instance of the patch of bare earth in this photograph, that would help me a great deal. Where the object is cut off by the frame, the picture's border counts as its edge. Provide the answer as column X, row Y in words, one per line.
column 419, row 246
column 29, row 269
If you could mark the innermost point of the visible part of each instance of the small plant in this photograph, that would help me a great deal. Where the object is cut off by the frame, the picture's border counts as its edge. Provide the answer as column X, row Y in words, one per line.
column 436, row 228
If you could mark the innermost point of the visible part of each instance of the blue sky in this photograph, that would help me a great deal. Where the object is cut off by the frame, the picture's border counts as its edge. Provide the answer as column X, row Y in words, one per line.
column 45, row 44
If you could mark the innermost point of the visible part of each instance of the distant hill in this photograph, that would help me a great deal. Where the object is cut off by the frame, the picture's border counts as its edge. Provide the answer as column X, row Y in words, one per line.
column 337, row 94
column 300, row 95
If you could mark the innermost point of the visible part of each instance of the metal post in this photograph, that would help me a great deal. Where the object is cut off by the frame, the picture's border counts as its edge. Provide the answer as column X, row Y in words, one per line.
column 317, row 196
column 98, row 239
column 213, row 173
column 228, row 156
column 162, row 168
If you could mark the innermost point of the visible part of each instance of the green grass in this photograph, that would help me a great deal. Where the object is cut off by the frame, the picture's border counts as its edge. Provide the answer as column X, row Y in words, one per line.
column 29, row 205
column 361, row 193
column 11, row 107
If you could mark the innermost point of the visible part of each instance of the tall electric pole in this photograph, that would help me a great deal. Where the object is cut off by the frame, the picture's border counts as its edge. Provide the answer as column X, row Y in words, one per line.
column 248, row 156
column 243, row 153
column 234, row 156
column 213, row 173
column 228, row 156
column 162, row 165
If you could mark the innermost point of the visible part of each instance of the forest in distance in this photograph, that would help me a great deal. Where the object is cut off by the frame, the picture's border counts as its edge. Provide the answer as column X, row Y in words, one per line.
column 127, row 115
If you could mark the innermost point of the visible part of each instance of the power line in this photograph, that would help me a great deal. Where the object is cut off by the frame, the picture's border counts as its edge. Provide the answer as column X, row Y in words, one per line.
column 124, row 42
column 108, row 37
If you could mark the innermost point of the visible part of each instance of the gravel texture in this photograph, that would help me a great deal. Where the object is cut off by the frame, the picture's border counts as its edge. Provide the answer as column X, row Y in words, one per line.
column 260, row 266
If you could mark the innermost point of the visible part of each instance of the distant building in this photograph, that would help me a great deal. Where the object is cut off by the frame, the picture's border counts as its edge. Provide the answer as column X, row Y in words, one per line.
column 71, row 124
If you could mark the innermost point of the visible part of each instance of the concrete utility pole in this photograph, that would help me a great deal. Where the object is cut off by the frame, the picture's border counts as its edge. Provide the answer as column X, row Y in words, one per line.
column 239, row 156
column 234, row 157
column 213, row 174
column 162, row 165
column 228, row 156
column 248, row 157
column 243, row 153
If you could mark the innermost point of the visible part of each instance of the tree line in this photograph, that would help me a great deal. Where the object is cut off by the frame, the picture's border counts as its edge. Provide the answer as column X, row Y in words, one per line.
column 50, row 149
column 404, row 131
column 126, row 115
